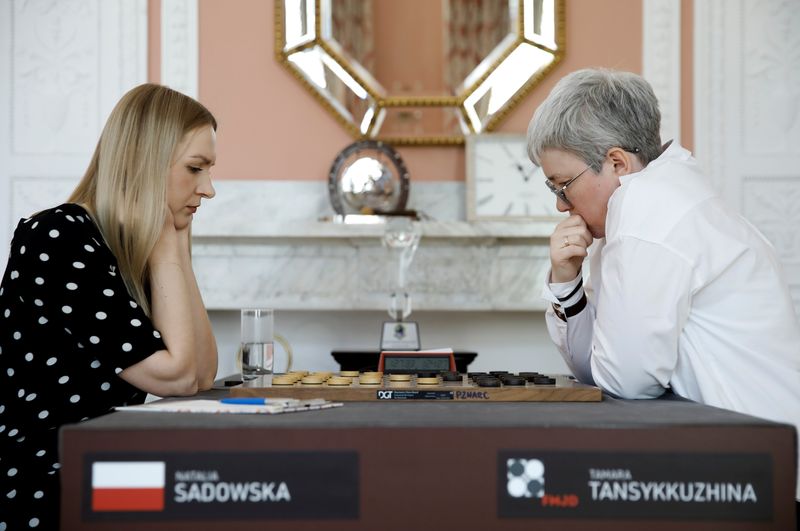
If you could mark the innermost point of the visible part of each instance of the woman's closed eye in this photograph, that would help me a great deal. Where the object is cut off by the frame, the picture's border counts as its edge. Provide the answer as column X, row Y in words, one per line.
column 194, row 169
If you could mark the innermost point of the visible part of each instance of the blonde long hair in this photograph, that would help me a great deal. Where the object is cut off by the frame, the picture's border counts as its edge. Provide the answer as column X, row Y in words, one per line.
column 125, row 185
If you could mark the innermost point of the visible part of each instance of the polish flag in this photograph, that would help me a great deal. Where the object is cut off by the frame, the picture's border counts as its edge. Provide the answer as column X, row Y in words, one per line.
column 128, row 486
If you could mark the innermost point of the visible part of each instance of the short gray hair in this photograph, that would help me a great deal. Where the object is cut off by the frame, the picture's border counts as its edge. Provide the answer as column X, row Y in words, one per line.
column 592, row 110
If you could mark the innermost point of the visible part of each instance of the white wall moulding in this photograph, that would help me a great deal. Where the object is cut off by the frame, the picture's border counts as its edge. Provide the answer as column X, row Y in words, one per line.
column 6, row 23
column 55, row 79
column 771, row 73
column 747, row 115
column 661, row 60
column 771, row 204
column 179, row 45
column 709, row 121
column 63, row 65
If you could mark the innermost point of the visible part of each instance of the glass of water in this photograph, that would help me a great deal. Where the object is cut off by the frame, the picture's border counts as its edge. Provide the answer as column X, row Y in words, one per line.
column 257, row 342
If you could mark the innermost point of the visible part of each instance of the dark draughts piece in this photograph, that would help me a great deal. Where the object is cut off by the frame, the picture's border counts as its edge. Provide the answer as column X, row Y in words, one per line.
column 489, row 382
column 451, row 377
column 513, row 380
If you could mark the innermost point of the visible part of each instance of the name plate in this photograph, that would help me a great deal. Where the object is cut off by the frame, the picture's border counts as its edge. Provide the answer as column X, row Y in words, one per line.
column 647, row 486
column 221, row 486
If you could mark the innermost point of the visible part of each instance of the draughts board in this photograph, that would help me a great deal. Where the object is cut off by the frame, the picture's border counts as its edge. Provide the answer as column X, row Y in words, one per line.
column 558, row 388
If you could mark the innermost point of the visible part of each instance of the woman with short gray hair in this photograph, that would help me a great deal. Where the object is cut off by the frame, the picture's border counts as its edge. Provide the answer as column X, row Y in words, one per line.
column 686, row 295
column 590, row 111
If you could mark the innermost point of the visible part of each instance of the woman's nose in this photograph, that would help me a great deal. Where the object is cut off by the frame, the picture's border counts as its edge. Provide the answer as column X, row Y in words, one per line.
column 206, row 189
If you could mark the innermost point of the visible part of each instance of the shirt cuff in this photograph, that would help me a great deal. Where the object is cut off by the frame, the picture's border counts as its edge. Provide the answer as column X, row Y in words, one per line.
column 567, row 298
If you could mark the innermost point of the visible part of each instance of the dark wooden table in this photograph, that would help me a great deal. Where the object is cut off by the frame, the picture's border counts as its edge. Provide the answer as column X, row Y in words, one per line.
column 615, row 464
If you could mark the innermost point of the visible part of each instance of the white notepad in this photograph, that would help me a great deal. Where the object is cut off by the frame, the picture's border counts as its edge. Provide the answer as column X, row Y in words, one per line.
column 274, row 406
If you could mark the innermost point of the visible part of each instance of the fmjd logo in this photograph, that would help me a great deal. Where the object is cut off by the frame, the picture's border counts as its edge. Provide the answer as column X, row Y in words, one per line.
column 525, row 478
column 652, row 486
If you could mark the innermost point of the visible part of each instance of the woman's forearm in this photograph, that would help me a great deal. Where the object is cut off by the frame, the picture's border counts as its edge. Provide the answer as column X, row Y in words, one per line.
column 205, row 343
column 171, row 312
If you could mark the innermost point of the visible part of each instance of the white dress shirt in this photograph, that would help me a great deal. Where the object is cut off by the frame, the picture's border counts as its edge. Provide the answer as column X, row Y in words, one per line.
column 684, row 294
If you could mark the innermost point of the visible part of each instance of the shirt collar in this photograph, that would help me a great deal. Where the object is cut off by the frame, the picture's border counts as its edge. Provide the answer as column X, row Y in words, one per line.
column 672, row 151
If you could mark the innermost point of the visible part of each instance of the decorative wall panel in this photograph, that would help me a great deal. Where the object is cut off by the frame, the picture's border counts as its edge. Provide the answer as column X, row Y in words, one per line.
column 661, row 61
column 773, row 205
column 771, row 80
column 179, row 45
column 63, row 65
column 747, row 107
column 55, row 76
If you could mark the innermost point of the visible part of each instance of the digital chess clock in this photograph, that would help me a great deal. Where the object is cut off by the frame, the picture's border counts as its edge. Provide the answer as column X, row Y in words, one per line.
column 411, row 362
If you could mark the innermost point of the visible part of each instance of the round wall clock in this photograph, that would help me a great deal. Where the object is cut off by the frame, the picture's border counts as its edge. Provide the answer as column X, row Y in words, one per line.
column 502, row 183
column 368, row 177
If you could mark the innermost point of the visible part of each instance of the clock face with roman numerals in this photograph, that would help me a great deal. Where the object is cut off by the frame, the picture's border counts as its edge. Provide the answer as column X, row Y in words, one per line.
column 503, row 184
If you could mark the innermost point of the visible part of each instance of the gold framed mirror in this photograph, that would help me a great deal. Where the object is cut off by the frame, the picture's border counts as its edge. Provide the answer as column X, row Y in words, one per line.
column 363, row 60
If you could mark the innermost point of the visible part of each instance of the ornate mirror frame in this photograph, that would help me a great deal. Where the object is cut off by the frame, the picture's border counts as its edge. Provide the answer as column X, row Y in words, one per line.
column 304, row 46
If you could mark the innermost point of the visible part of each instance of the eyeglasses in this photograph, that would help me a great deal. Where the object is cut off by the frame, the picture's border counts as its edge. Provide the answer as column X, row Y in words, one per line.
column 561, row 193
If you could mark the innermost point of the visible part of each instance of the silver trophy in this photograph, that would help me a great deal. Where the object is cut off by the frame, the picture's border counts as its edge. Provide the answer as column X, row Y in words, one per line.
column 401, row 238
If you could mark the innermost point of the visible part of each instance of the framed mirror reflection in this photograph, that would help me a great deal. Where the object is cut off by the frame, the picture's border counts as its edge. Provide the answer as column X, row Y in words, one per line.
column 423, row 72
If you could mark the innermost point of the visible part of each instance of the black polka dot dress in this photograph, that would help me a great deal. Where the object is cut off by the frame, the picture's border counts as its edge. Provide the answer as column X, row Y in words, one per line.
column 68, row 327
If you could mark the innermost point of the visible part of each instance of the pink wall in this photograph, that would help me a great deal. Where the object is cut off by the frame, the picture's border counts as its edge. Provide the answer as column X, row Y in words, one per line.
column 687, row 74
column 392, row 38
column 272, row 128
column 154, row 41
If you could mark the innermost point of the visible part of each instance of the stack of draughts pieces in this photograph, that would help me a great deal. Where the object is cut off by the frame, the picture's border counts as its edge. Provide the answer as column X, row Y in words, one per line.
column 347, row 378
column 343, row 379
column 501, row 378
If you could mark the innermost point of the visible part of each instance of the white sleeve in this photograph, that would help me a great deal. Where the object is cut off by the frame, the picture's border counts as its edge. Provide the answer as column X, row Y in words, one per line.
column 642, row 305
column 571, row 328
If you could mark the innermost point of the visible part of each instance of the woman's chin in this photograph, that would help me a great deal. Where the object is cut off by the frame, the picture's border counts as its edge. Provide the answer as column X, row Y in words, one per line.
column 182, row 221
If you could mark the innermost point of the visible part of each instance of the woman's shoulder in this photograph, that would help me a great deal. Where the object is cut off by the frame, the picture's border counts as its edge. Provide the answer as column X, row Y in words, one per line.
column 70, row 212
column 66, row 214
column 68, row 219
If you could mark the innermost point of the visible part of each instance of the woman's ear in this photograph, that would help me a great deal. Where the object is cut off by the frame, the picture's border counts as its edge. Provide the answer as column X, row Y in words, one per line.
column 621, row 161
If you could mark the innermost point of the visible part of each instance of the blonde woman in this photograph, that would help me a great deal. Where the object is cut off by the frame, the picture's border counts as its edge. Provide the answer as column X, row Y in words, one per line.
column 99, row 304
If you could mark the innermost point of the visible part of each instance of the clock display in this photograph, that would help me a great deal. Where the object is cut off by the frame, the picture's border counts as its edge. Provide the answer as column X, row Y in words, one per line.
column 502, row 183
column 410, row 365
column 409, row 362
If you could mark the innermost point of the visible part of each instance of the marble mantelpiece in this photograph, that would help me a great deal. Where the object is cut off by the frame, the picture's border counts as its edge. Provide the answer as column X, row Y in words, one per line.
column 262, row 246
column 319, row 266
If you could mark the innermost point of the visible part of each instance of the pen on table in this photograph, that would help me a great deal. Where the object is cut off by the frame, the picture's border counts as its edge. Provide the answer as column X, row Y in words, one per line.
column 257, row 401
